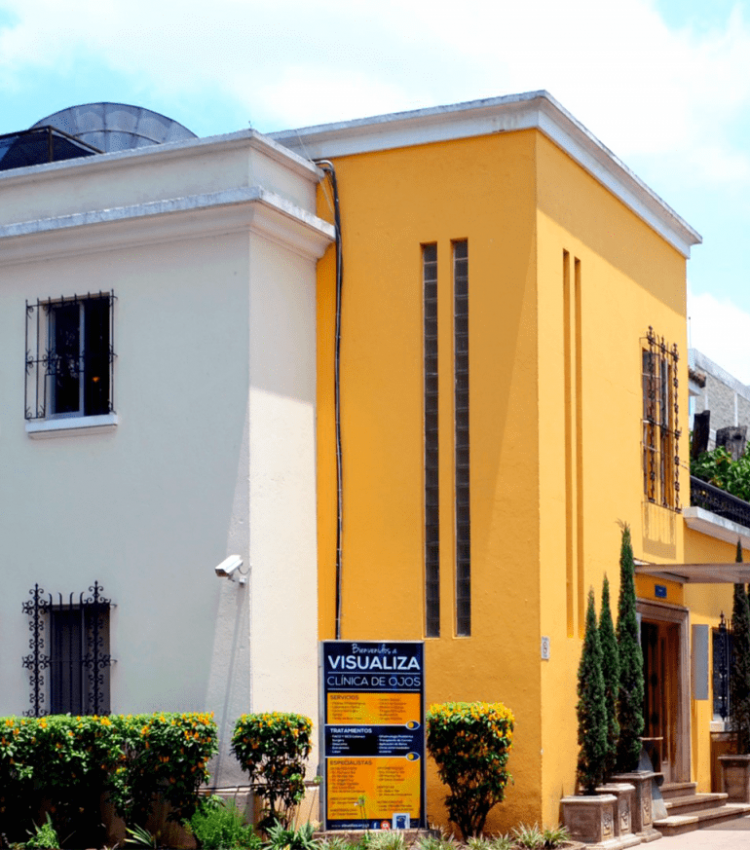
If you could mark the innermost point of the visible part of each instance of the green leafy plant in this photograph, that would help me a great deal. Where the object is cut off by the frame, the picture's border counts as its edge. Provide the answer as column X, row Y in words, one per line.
column 335, row 842
column 470, row 743
column 501, row 842
column 530, row 837
column 591, row 709
column 44, row 837
column 611, row 674
column 220, row 825
column 556, row 837
column 630, row 693
column 717, row 467
column 388, row 840
column 273, row 748
column 443, row 841
column 739, row 674
column 480, row 843
column 281, row 837
column 139, row 836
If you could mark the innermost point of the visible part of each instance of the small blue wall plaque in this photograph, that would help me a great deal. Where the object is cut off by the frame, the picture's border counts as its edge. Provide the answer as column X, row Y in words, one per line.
column 660, row 591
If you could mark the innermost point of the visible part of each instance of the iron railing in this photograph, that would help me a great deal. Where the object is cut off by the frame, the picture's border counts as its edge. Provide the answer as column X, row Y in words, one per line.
column 719, row 502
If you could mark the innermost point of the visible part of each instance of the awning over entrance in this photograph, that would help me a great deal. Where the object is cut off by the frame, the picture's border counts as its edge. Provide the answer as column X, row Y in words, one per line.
column 732, row 573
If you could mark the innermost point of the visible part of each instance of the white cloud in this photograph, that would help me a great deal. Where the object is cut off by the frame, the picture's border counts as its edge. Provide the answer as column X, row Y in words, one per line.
column 721, row 331
column 642, row 88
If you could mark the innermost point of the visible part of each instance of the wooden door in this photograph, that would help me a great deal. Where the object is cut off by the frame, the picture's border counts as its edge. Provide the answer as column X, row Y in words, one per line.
column 660, row 644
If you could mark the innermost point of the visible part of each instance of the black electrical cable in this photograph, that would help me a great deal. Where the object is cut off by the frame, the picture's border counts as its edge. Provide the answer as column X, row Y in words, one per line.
column 328, row 167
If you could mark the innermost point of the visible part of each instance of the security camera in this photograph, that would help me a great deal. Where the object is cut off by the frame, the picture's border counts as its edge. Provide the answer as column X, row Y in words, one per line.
column 229, row 566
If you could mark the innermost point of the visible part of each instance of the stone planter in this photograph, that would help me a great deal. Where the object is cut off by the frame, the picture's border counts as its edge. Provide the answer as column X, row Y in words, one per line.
column 735, row 778
column 642, row 813
column 625, row 794
column 590, row 819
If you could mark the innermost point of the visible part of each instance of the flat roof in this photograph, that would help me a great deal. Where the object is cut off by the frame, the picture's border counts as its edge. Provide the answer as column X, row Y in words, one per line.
column 530, row 110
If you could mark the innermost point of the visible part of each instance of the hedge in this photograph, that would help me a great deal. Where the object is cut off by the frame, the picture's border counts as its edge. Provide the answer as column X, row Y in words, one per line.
column 66, row 763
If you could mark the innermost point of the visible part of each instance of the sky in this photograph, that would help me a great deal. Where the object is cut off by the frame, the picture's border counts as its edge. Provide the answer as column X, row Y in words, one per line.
column 664, row 84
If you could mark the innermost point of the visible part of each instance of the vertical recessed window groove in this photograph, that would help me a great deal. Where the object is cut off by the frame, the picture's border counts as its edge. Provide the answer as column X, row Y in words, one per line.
column 577, row 274
column 431, row 445
column 461, row 436
column 571, row 556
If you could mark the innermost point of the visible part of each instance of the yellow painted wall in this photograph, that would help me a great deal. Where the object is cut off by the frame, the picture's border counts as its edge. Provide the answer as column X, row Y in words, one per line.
column 629, row 278
column 520, row 202
column 391, row 204
column 706, row 603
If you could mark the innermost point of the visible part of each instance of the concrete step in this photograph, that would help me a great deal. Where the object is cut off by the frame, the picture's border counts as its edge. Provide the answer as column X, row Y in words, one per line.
column 694, row 803
column 679, row 824
column 677, row 789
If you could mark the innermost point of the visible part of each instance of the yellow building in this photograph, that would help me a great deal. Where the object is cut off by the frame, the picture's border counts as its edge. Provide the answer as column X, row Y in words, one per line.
column 513, row 387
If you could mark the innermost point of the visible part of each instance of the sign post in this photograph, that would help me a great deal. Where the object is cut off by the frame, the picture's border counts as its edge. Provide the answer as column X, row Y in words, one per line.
column 373, row 740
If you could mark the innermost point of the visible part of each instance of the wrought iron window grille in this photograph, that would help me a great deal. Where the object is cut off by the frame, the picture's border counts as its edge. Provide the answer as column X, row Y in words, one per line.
column 661, row 432
column 69, row 660
column 722, row 657
column 69, row 368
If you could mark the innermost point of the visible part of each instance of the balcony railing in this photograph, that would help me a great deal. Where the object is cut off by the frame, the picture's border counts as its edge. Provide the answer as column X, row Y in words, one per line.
column 719, row 502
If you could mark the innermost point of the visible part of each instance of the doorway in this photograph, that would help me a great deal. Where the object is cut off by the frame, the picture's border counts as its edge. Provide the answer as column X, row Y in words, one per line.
column 660, row 642
column 666, row 703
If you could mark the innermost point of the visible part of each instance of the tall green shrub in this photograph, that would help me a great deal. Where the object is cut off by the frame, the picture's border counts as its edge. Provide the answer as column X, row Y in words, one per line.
column 631, row 690
column 470, row 743
column 273, row 748
column 591, row 708
column 739, row 676
column 611, row 673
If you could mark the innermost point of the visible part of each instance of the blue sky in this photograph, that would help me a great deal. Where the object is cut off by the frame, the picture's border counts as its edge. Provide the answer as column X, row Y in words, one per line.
column 665, row 84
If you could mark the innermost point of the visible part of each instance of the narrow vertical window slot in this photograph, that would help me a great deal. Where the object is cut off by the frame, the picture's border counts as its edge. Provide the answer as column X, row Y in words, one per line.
column 461, row 413
column 571, row 558
column 431, row 445
column 577, row 274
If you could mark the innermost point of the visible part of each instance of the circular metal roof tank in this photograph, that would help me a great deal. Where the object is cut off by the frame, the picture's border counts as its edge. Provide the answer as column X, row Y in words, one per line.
column 117, row 126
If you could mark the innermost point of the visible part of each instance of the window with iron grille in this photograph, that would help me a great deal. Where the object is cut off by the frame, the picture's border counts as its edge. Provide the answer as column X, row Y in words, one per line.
column 661, row 433
column 70, row 357
column 69, row 660
column 722, row 650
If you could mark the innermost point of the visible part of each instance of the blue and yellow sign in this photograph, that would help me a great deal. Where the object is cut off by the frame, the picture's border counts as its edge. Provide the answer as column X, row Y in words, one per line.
column 373, row 734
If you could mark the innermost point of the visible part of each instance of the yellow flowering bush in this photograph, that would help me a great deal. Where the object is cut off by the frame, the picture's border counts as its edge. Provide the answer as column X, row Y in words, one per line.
column 470, row 742
column 273, row 748
column 70, row 761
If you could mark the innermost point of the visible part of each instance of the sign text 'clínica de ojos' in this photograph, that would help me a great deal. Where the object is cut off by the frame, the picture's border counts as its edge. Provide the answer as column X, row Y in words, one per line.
column 373, row 739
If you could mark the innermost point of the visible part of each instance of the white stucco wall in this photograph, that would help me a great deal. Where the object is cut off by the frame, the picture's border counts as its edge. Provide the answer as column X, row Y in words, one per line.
column 213, row 453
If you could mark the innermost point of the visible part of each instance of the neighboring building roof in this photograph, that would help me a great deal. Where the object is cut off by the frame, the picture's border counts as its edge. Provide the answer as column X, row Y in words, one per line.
column 700, row 363
column 117, row 126
column 531, row 110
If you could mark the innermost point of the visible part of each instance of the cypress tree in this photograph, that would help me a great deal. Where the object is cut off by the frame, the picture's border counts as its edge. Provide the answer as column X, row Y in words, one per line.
column 630, row 694
column 611, row 672
column 591, row 709
column 739, row 675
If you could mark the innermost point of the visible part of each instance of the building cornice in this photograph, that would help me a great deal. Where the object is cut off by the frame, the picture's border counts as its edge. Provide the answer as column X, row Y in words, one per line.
column 533, row 110
column 185, row 149
column 194, row 216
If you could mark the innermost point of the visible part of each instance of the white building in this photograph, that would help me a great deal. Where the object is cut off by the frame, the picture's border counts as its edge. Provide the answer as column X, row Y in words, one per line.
column 157, row 324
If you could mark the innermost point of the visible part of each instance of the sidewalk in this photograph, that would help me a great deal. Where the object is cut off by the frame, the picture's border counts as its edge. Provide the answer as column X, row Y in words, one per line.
column 732, row 835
